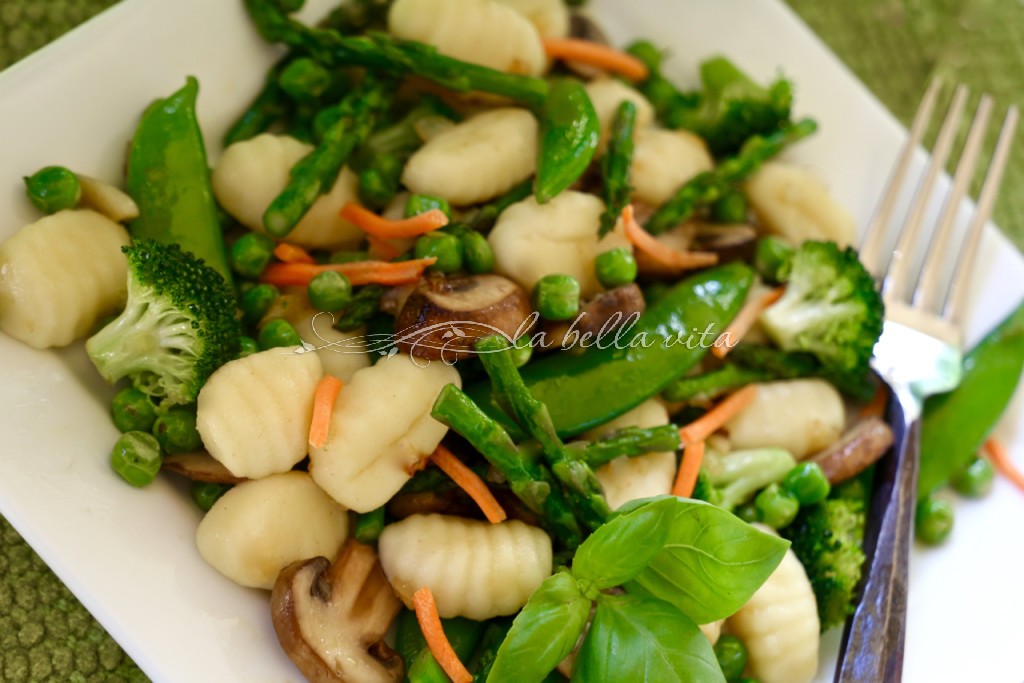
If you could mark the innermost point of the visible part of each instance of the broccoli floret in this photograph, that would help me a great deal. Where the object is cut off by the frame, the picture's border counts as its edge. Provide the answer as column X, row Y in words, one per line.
column 737, row 476
column 703, row 489
column 827, row 539
column 832, row 310
column 178, row 326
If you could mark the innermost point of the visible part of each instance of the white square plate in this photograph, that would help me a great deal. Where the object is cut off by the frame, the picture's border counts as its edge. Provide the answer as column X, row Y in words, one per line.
column 129, row 554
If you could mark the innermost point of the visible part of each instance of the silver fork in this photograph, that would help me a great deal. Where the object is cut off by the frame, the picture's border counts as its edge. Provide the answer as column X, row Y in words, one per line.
column 919, row 354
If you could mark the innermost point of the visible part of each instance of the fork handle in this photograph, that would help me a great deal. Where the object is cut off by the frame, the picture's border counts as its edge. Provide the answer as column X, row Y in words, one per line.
column 872, row 648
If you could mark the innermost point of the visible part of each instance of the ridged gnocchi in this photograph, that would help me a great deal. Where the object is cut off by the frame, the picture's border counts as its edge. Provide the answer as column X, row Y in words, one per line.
column 260, row 527
column 482, row 32
column 793, row 204
column 549, row 17
column 779, row 625
column 651, row 474
column 251, row 173
column 476, row 160
column 380, row 430
column 802, row 416
column 663, row 160
column 475, row 569
column 342, row 354
column 254, row 412
column 60, row 275
column 531, row 240
column 607, row 94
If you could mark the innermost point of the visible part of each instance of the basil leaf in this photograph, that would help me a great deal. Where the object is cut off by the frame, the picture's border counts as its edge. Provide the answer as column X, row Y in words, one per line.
column 711, row 561
column 637, row 638
column 544, row 632
column 621, row 547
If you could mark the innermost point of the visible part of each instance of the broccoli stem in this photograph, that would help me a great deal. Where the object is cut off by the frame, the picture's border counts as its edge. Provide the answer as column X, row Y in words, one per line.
column 615, row 166
column 631, row 442
column 740, row 474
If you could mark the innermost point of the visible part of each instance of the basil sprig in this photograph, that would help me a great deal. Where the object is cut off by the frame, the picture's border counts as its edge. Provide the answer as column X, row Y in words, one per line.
column 682, row 563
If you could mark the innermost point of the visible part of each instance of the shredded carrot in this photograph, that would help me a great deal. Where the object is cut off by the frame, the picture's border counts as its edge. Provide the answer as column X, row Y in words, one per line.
column 290, row 253
column 602, row 56
column 372, row 224
column 433, row 632
column 709, row 422
column 689, row 468
column 358, row 272
column 382, row 249
column 876, row 407
column 662, row 253
column 1002, row 461
column 326, row 394
column 743, row 321
column 469, row 482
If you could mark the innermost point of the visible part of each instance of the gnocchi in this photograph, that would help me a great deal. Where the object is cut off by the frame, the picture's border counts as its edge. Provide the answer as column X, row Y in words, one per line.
column 549, row 17
column 482, row 32
column 342, row 354
column 260, row 527
column 477, row 159
column 663, row 161
column 254, row 412
column 779, row 625
column 60, row 275
column 793, row 204
column 802, row 416
column 251, row 173
column 531, row 240
column 607, row 94
column 475, row 569
column 381, row 429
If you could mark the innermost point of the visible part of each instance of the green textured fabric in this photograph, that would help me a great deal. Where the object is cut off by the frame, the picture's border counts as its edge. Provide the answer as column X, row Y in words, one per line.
column 894, row 46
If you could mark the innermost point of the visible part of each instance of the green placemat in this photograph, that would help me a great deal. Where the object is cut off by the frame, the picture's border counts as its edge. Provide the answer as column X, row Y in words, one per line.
column 894, row 46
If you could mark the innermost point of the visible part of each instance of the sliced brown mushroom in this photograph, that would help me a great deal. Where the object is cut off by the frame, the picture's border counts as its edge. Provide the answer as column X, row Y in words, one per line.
column 597, row 320
column 444, row 316
column 331, row 619
column 859, row 448
column 729, row 242
column 200, row 466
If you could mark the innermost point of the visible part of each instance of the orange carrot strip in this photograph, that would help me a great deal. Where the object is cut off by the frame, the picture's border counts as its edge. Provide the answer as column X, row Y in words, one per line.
column 358, row 272
column 291, row 253
column 689, row 468
column 876, row 407
column 1002, row 461
column 326, row 394
column 470, row 482
column 596, row 54
column 743, row 321
column 433, row 632
column 371, row 223
column 382, row 249
column 645, row 242
column 709, row 422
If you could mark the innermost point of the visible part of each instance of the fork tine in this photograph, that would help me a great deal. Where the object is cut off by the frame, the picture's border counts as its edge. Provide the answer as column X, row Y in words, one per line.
column 930, row 291
column 874, row 236
column 986, row 201
column 900, row 267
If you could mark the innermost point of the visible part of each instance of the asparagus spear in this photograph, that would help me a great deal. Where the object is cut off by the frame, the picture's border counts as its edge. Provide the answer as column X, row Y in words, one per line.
column 615, row 166
column 365, row 302
column 748, row 363
column 484, row 217
column 709, row 186
column 631, row 442
column 270, row 106
column 528, row 479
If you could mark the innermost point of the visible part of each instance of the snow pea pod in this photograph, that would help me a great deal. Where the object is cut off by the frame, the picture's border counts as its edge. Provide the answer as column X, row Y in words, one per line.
column 169, row 179
column 568, row 138
column 619, row 371
column 954, row 425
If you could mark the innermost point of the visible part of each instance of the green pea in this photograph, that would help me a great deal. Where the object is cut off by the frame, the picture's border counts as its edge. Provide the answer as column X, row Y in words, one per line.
column 974, row 480
column 730, row 208
column 250, row 254
column 732, row 656
column 747, row 512
column 304, row 79
column 205, row 493
column 557, row 297
column 277, row 333
column 133, row 411
column 349, row 256
column 808, row 483
column 521, row 351
column 329, row 291
column 933, row 521
column 247, row 346
column 256, row 301
column 176, row 431
column 615, row 268
column 421, row 203
column 447, row 249
column 776, row 506
column 53, row 189
column 477, row 253
column 136, row 457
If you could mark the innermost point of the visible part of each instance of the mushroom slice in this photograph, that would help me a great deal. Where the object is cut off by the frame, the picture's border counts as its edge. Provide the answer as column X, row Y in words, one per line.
column 443, row 317
column 331, row 618
column 200, row 466
column 597, row 320
column 732, row 242
column 856, row 451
